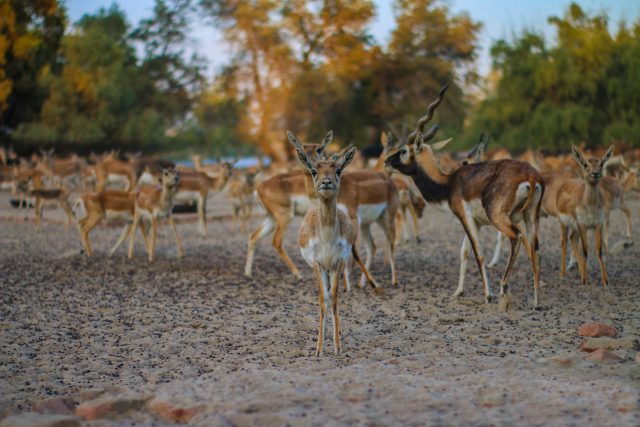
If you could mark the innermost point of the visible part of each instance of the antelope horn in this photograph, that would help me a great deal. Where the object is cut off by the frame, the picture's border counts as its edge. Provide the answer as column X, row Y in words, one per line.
column 427, row 117
column 430, row 134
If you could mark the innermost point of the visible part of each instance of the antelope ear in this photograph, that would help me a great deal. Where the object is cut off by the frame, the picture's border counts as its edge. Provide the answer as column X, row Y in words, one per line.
column 578, row 155
column 348, row 158
column 607, row 155
column 293, row 140
column 384, row 140
column 440, row 144
column 304, row 161
column 327, row 139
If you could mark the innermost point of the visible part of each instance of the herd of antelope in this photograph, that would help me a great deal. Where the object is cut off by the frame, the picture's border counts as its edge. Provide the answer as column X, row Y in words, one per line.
column 339, row 205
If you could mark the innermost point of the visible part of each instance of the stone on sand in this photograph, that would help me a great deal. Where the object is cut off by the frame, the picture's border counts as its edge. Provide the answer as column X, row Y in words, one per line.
column 626, row 343
column 596, row 330
column 32, row 419
column 603, row 356
column 109, row 405
column 174, row 409
column 54, row 405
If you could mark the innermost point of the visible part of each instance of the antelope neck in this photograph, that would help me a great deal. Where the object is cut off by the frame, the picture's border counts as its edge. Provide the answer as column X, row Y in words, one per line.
column 432, row 183
column 328, row 219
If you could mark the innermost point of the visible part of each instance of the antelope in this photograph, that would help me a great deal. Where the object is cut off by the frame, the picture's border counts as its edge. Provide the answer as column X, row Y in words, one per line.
column 31, row 187
column 241, row 188
column 109, row 205
column 367, row 196
column 112, row 170
column 327, row 237
column 196, row 186
column 581, row 206
column 502, row 193
column 152, row 203
column 145, row 168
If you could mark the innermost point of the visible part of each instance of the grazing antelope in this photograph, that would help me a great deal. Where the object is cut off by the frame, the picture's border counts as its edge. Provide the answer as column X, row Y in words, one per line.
column 152, row 203
column 581, row 206
column 109, row 205
column 196, row 186
column 502, row 193
column 327, row 237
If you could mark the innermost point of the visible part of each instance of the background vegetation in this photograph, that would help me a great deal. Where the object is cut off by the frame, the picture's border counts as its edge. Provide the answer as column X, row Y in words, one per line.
column 308, row 66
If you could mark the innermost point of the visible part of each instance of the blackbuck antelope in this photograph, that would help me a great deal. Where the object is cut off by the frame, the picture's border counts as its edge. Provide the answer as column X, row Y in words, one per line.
column 367, row 196
column 581, row 206
column 502, row 193
column 241, row 189
column 327, row 237
column 152, row 203
column 28, row 186
column 196, row 187
column 110, row 205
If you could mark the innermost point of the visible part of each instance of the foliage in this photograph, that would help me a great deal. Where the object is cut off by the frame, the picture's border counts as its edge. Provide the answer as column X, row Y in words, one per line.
column 584, row 88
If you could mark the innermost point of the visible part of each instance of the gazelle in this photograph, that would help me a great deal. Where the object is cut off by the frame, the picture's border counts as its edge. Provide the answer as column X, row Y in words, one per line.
column 581, row 206
column 196, row 186
column 241, row 189
column 153, row 203
column 327, row 237
column 502, row 193
column 109, row 205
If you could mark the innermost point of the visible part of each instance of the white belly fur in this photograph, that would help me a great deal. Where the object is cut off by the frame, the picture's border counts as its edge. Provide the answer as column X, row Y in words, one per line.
column 300, row 205
column 118, row 215
column 370, row 213
column 475, row 209
column 187, row 196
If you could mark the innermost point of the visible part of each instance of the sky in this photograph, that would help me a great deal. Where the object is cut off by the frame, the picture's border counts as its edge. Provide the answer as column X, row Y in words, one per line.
column 500, row 18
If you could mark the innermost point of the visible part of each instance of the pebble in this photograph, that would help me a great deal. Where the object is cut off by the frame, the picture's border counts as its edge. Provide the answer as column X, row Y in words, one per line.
column 596, row 330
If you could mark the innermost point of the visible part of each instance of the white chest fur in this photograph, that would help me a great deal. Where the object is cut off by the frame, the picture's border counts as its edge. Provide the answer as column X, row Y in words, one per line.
column 327, row 254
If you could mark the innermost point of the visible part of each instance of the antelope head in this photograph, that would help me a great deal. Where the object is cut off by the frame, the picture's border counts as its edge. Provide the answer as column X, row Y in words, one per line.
column 326, row 173
column 169, row 178
column 402, row 156
column 592, row 168
column 312, row 151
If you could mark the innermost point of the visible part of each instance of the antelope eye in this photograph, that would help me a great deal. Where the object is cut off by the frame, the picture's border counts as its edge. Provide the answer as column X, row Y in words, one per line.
column 338, row 171
column 314, row 173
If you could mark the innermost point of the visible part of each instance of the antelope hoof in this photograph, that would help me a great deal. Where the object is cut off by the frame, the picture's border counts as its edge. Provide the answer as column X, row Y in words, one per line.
column 378, row 290
column 418, row 240
column 505, row 301
column 488, row 298
column 459, row 293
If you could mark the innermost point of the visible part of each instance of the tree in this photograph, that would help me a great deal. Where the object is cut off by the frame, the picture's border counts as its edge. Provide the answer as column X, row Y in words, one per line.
column 30, row 34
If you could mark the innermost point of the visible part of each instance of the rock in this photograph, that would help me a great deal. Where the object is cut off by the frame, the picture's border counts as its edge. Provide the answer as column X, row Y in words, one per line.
column 54, row 405
column 561, row 361
column 93, row 393
column 32, row 419
column 110, row 405
column 596, row 330
column 627, row 343
column 173, row 410
column 603, row 356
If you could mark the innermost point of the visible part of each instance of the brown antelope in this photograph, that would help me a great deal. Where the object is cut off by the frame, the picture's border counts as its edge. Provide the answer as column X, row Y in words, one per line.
column 502, row 193
column 367, row 196
column 152, row 203
column 113, row 170
column 196, row 187
column 327, row 237
column 241, row 189
column 146, row 168
column 581, row 206
column 109, row 205
column 30, row 187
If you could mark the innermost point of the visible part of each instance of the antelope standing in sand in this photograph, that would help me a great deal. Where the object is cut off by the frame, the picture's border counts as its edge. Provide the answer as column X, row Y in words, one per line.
column 112, row 170
column 153, row 203
column 502, row 193
column 367, row 196
column 30, row 185
column 196, row 186
column 110, row 205
column 327, row 237
column 581, row 206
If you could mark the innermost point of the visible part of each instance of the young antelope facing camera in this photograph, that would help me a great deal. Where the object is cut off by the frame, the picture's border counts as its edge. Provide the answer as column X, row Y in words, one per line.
column 327, row 237
column 581, row 206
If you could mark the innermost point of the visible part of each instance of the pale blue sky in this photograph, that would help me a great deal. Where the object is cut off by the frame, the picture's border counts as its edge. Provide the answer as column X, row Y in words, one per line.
column 500, row 18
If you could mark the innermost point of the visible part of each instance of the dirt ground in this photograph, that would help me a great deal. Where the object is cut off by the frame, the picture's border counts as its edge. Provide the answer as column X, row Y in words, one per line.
column 242, row 349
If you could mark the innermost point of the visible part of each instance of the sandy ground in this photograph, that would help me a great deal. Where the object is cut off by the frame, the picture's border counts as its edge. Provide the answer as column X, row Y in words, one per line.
column 241, row 349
